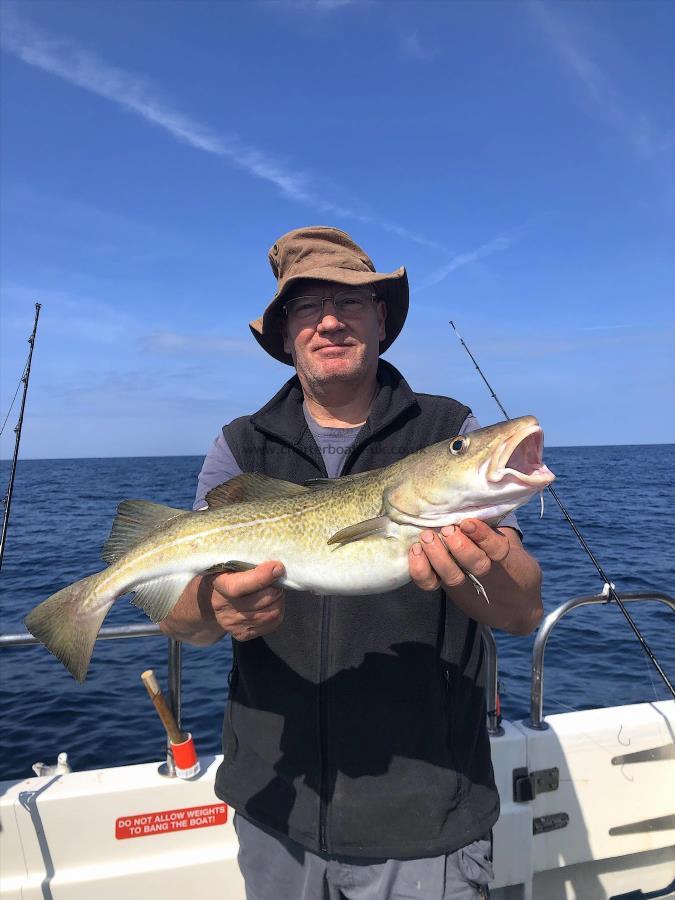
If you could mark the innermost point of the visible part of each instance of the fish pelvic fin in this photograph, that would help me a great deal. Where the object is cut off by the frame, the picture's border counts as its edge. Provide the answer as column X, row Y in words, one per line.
column 135, row 520
column 158, row 596
column 232, row 565
column 68, row 622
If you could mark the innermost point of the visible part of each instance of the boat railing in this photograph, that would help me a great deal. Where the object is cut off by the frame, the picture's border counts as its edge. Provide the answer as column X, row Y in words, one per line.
column 25, row 639
column 494, row 716
column 122, row 632
column 174, row 671
column 536, row 720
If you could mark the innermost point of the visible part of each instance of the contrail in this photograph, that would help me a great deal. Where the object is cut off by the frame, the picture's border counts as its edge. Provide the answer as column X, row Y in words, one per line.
column 85, row 70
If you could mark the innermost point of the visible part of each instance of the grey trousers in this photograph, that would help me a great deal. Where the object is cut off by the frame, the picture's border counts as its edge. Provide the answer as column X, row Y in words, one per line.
column 275, row 868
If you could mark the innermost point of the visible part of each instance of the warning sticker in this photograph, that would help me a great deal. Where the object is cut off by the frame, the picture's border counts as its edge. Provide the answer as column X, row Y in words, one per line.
column 145, row 824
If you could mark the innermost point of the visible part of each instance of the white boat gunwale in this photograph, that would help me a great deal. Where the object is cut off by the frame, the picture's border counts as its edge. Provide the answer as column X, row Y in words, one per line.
column 607, row 817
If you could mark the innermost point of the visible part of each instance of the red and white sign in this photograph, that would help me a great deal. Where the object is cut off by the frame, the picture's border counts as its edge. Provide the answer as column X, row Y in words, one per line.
column 145, row 824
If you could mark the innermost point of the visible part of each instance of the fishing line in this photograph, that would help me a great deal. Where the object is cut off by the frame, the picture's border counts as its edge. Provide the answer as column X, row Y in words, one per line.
column 7, row 500
column 16, row 394
column 608, row 589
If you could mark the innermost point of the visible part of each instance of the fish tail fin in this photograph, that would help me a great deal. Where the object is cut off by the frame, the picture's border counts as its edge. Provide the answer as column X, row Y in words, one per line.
column 68, row 622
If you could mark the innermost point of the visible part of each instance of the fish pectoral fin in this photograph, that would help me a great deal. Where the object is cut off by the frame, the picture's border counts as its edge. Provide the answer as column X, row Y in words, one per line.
column 251, row 486
column 135, row 519
column 159, row 596
column 380, row 526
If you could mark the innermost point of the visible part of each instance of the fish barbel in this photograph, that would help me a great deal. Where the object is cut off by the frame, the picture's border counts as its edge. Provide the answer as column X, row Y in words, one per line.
column 348, row 535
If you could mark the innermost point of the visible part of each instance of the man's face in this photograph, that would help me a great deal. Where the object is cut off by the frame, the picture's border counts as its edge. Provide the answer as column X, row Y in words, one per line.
column 340, row 346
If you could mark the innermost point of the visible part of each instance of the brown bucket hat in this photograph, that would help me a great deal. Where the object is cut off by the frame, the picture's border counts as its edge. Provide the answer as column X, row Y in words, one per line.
column 326, row 254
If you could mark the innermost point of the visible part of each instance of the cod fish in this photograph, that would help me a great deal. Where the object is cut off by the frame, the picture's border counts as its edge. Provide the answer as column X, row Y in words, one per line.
column 346, row 536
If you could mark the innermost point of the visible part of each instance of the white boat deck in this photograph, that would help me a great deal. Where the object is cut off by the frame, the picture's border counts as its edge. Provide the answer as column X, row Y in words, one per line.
column 130, row 832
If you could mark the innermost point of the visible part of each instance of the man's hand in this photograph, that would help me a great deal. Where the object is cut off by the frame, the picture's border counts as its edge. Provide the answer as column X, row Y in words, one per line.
column 472, row 543
column 248, row 604
column 243, row 604
column 497, row 558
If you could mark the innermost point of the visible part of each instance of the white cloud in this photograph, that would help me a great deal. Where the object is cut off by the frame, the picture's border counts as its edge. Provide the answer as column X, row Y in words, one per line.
column 64, row 59
column 330, row 5
column 465, row 259
column 318, row 6
column 77, row 318
column 413, row 46
column 83, row 69
column 172, row 343
column 648, row 141
column 547, row 344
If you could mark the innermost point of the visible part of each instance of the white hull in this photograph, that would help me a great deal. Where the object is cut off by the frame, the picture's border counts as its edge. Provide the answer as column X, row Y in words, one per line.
column 58, row 837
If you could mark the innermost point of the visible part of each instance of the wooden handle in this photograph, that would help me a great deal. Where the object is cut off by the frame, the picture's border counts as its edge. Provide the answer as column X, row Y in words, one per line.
column 149, row 679
column 176, row 736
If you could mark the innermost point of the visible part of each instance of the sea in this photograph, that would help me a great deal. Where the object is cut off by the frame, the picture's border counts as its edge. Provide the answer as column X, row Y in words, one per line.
column 621, row 498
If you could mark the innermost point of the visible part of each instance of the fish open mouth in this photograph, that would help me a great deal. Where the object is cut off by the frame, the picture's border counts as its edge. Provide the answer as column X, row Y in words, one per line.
column 520, row 457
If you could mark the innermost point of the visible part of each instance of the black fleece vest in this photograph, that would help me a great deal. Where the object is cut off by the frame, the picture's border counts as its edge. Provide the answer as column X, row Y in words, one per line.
column 358, row 726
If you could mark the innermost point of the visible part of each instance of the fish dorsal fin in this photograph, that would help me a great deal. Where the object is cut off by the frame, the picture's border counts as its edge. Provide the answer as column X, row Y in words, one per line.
column 251, row 486
column 135, row 519
column 379, row 526
column 342, row 481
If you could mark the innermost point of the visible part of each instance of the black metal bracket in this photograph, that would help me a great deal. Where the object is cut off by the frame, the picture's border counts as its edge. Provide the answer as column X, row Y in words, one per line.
column 543, row 824
column 526, row 784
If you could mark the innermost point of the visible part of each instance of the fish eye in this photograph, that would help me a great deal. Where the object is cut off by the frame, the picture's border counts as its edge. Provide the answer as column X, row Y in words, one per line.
column 458, row 445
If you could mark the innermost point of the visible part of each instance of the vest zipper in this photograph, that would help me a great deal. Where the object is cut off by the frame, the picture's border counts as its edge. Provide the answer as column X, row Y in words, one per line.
column 450, row 731
column 232, row 679
column 323, row 724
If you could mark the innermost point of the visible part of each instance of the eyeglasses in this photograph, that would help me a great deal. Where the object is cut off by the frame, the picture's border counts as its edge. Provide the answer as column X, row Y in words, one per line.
column 348, row 305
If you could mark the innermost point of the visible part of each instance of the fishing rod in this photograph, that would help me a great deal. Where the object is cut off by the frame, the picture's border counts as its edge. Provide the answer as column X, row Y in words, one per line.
column 7, row 499
column 608, row 590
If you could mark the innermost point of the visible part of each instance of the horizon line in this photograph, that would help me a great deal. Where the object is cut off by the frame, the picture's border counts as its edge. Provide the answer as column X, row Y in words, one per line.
column 189, row 455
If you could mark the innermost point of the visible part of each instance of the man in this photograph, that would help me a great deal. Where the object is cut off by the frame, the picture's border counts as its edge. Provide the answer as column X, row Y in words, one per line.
column 355, row 746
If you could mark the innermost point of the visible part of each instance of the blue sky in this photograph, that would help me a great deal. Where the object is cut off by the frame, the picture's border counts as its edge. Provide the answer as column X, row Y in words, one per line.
column 517, row 157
